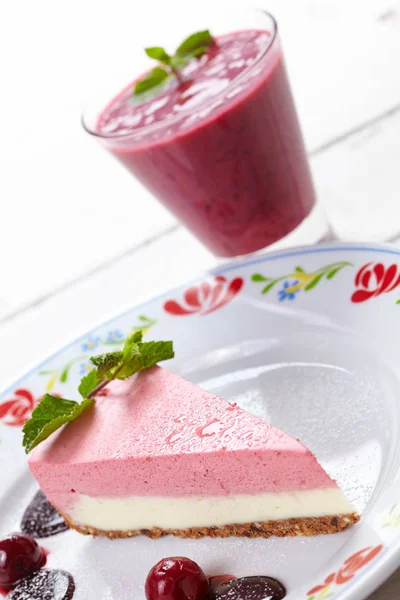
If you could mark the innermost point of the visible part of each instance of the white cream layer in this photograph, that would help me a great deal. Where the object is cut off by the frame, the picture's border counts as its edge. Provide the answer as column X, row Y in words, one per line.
column 131, row 513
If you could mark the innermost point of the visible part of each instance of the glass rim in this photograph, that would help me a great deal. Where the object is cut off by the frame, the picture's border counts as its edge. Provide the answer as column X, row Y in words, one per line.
column 159, row 125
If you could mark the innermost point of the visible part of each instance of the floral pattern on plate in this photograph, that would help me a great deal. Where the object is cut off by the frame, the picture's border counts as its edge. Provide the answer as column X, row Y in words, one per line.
column 347, row 571
column 391, row 520
column 92, row 344
column 343, row 285
column 374, row 279
column 205, row 297
column 17, row 410
column 299, row 279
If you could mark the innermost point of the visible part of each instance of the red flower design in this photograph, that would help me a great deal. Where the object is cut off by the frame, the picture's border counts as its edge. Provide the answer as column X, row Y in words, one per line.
column 349, row 568
column 18, row 410
column 319, row 588
column 372, row 280
column 355, row 563
column 206, row 297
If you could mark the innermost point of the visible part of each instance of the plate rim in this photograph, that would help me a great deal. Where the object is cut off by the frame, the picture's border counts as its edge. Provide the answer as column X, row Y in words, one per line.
column 220, row 269
column 380, row 569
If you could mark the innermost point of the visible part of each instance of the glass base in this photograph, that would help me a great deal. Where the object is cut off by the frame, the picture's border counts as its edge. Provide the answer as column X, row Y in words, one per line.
column 314, row 229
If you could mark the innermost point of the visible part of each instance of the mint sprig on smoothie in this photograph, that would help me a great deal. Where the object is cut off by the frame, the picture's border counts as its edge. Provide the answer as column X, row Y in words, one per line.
column 222, row 149
column 193, row 46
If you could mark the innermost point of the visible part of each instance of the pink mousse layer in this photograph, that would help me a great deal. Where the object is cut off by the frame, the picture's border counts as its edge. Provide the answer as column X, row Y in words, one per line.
column 159, row 435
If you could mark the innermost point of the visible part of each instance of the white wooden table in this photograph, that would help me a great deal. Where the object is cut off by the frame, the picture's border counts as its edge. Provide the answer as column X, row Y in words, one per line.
column 81, row 239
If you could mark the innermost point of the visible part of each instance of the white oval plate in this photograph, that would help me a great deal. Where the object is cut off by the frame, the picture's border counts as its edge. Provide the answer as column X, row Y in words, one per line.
column 306, row 338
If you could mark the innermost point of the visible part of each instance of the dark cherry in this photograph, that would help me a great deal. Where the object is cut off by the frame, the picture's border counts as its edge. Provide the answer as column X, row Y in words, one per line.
column 176, row 578
column 20, row 556
column 44, row 585
column 40, row 519
column 249, row 588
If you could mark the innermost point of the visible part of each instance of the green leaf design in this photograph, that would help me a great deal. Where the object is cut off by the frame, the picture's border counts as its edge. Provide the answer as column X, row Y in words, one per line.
column 88, row 383
column 332, row 274
column 338, row 267
column 269, row 286
column 158, row 53
column 195, row 42
column 398, row 302
column 313, row 282
column 65, row 372
column 329, row 271
column 50, row 414
column 258, row 277
column 151, row 80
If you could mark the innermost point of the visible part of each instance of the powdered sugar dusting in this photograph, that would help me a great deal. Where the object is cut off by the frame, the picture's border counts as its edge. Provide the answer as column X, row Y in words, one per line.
column 41, row 519
column 45, row 585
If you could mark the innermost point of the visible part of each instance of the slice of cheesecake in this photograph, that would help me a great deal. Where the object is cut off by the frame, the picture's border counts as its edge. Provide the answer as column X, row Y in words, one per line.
column 159, row 455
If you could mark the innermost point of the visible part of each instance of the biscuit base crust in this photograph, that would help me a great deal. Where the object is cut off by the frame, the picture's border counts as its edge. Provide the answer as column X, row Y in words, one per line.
column 306, row 526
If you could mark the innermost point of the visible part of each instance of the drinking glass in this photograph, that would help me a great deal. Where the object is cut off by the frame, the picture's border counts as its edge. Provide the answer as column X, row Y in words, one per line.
column 229, row 160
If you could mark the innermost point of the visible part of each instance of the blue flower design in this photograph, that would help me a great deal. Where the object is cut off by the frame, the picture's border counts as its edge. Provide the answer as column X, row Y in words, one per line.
column 114, row 336
column 285, row 294
column 85, row 368
column 90, row 344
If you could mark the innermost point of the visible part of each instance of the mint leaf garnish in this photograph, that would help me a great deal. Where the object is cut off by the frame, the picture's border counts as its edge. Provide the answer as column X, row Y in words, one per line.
column 53, row 412
column 134, row 357
column 192, row 47
column 88, row 383
column 159, row 54
column 195, row 44
column 155, row 352
column 49, row 415
column 138, row 355
column 151, row 80
column 104, row 363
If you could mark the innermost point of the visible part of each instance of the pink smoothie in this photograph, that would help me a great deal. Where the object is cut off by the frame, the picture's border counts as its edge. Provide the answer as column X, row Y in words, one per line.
column 222, row 150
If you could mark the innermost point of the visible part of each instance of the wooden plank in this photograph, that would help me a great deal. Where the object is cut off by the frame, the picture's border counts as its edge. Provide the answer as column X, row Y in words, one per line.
column 66, row 205
column 342, row 64
column 358, row 180
column 37, row 332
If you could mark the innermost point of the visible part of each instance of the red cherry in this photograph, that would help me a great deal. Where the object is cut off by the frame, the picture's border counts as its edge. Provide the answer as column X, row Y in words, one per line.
column 20, row 555
column 176, row 578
